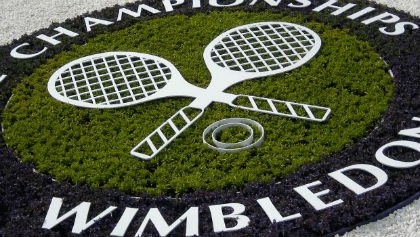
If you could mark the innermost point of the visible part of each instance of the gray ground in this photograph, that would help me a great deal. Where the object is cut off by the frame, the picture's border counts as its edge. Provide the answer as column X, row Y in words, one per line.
column 20, row 17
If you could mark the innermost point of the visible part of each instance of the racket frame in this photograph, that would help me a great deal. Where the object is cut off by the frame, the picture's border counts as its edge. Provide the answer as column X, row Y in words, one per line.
column 175, row 87
column 232, row 77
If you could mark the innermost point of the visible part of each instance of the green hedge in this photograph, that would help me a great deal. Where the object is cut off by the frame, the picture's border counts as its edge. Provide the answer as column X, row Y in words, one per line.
column 87, row 146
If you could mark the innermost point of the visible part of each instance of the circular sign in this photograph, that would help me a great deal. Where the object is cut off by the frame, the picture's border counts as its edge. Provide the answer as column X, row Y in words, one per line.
column 334, row 85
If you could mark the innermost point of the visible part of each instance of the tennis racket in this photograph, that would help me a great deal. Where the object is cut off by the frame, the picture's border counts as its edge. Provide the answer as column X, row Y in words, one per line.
column 118, row 79
column 243, row 53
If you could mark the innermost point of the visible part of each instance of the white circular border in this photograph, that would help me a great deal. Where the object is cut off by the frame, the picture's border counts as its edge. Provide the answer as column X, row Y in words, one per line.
column 26, row 16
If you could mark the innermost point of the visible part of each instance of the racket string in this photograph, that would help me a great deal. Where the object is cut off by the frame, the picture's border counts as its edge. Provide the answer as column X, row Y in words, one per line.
column 109, row 80
column 262, row 48
column 120, row 91
column 245, row 51
column 130, row 61
column 288, row 43
column 95, row 84
column 261, row 55
column 90, row 67
column 84, row 72
column 126, row 82
column 86, row 80
column 101, row 84
column 115, row 79
column 149, row 74
column 301, row 44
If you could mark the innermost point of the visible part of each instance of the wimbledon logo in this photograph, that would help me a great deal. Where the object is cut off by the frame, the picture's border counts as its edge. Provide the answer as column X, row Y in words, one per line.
column 293, row 118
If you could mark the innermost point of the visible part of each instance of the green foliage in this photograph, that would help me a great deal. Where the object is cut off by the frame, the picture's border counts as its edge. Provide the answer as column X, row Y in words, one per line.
column 87, row 146
column 233, row 135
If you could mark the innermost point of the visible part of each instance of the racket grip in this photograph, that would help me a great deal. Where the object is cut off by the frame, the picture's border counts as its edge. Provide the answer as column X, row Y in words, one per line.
column 166, row 133
column 283, row 108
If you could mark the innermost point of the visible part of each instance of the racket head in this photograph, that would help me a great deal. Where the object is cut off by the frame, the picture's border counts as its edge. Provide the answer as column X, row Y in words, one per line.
column 113, row 80
column 260, row 49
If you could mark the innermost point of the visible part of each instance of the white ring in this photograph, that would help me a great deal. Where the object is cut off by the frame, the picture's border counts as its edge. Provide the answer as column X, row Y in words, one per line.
column 216, row 127
column 243, row 143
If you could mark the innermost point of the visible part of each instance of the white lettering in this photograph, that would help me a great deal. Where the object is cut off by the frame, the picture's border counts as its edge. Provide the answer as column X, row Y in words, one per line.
column 215, row 3
column 14, row 53
column 154, row 216
column 273, row 3
column 272, row 212
column 399, row 28
column 138, row 13
column 61, row 31
column 218, row 217
column 2, row 78
column 124, row 222
column 81, row 211
column 361, row 13
column 313, row 198
column 196, row 3
column 303, row 3
column 385, row 160
column 384, row 17
column 169, row 4
column 412, row 132
column 339, row 10
column 90, row 22
column 379, row 174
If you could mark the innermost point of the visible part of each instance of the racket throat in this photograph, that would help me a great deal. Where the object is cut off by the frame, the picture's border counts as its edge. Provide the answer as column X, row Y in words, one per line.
column 209, row 97
column 201, row 103
column 214, row 93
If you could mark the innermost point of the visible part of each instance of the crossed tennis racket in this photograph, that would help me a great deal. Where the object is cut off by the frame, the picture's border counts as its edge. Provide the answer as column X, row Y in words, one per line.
column 119, row 79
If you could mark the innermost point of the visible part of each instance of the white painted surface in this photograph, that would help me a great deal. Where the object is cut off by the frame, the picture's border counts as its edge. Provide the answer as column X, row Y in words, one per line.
column 25, row 16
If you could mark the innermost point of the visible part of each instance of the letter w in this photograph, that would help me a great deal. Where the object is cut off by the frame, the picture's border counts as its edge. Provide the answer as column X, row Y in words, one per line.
column 81, row 211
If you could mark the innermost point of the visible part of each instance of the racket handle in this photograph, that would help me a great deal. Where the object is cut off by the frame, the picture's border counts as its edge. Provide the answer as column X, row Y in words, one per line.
column 166, row 133
column 283, row 108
